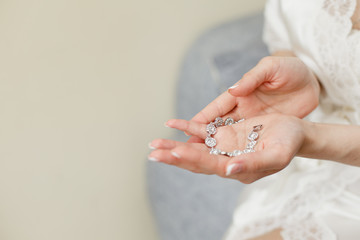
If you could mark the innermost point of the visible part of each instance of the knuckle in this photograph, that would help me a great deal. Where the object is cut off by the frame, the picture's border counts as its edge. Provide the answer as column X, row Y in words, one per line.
column 248, row 75
column 268, row 60
column 247, row 181
column 257, row 166
column 161, row 142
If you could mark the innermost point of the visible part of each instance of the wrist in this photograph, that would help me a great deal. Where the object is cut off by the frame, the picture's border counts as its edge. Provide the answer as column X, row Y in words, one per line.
column 310, row 145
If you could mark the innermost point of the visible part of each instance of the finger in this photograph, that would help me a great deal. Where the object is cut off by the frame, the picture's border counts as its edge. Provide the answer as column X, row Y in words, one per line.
column 201, row 161
column 191, row 127
column 261, row 161
column 235, row 114
column 219, row 107
column 164, row 144
column 195, row 139
column 164, row 156
column 179, row 157
column 253, row 79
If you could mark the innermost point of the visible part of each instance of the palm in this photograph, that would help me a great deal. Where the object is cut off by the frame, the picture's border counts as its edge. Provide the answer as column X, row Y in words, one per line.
column 279, row 141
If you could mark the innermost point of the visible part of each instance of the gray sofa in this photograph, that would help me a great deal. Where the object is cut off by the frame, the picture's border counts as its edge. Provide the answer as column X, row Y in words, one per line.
column 190, row 206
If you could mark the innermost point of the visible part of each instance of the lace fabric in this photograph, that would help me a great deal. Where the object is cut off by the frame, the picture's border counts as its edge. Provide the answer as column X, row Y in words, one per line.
column 298, row 204
column 301, row 198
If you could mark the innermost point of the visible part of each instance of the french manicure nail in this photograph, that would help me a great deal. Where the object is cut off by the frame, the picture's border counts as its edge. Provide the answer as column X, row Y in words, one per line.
column 151, row 147
column 233, row 87
column 175, row 154
column 233, row 168
column 153, row 159
column 165, row 124
column 187, row 134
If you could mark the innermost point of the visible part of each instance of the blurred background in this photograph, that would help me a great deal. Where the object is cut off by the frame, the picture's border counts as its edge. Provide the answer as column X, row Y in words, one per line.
column 84, row 86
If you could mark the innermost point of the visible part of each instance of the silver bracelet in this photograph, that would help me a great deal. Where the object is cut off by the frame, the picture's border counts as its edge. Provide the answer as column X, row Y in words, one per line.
column 211, row 129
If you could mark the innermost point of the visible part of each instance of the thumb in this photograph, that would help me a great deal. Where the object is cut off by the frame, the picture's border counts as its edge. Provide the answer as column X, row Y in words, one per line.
column 256, row 162
column 258, row 75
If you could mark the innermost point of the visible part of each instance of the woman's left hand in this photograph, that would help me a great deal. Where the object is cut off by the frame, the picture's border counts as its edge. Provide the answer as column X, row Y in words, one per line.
column 280, row 139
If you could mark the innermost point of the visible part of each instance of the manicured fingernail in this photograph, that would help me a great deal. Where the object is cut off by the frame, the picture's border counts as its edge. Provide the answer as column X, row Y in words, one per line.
column 233, row 168
column 175, row 154
column 153, row 159
column 187, row 134
column 165, row 124
column 151, row 147
column 233, row 87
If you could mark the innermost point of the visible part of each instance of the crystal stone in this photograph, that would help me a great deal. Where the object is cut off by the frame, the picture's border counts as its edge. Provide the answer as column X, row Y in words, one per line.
column 253, row 136
column 237, row 152
column 215, row 151
column 219, row 121
column 210, row 142
column 229, row 121
column 211, row 129
column 257, row 127
column 251, row 144
column 247, row 151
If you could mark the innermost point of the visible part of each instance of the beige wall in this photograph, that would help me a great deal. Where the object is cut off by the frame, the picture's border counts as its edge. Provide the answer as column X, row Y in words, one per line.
column 84, row 86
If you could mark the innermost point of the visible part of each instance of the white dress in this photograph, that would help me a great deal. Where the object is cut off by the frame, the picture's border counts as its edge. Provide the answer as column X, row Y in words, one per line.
column 311, row 199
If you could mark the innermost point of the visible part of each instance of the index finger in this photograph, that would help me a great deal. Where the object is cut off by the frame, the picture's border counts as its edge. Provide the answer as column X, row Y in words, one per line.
column 217, row 108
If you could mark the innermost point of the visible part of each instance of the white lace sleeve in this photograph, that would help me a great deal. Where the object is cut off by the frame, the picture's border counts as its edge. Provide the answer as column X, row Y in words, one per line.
column 275, row 33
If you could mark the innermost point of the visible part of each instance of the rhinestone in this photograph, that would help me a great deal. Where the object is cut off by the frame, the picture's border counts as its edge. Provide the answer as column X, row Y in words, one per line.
column 241, row 120
column 237, row 152
column 251, row 144
column 215, row 151
column 229, row 121
column 219, row 122
column 253, row 136
column 211, row 129
column 210, row 142
column 247, row 150
column 230, row 154
column 257, row 127
column 223, row 153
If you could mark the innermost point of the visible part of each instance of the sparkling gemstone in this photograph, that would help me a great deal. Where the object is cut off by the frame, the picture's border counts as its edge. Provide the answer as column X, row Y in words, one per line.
column 219, row 121
column 253, row 136
column 229, row 121
column 230, row 154
column 257, row 127
column 210, row 142
column 241, row 120
column 237, row 152
column 211, row 129
column 247, row 151
column 215, row 151
column 251, row 144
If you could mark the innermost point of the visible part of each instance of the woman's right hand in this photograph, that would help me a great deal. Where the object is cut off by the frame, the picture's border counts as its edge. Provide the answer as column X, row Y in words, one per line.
column 275, row 85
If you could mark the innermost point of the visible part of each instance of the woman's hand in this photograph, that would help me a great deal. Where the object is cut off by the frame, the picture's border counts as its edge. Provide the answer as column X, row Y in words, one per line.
column 279, row 140
column 275, row 85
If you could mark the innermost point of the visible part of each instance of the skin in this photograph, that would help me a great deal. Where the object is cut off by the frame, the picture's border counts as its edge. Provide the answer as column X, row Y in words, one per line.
column 277, row 84
column 281, row 138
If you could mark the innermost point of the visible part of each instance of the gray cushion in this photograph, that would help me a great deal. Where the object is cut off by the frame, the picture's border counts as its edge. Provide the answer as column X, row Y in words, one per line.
column 194, row 206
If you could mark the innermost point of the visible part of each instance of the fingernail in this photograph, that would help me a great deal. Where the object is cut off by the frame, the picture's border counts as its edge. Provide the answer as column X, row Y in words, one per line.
column 233, row 87
column 187, row 134
column 151, row 147
column 175, row 154
column 165, row 124
column 153, row 159
column 233, row 168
